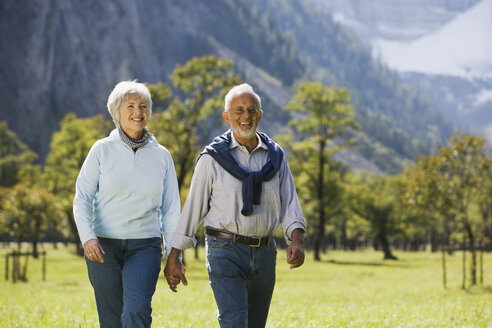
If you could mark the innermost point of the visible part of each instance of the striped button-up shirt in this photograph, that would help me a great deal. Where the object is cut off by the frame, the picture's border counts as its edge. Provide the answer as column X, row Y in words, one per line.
column 216, row 198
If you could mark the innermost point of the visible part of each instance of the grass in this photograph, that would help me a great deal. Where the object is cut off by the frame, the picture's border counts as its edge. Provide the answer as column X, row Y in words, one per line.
column 345, row 289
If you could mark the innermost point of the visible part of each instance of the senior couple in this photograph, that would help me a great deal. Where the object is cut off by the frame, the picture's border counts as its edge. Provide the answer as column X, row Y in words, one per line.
column 127, row 200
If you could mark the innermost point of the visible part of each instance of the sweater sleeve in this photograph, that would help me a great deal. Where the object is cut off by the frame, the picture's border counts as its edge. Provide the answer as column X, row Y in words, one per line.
column 170, row 204
column 85, row 191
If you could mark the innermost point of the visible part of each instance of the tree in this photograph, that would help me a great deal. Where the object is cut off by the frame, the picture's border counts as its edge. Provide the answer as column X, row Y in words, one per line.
column 326, row 114
column 454, row 183
column 461, row 164
column 426, row 191
column 68, row 150
column 13, row 156
column 483, row 194
column 27, row 211
column 377, row 200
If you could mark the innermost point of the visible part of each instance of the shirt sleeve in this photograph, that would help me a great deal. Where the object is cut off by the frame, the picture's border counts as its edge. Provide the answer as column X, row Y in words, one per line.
column 196, row 205
column 291, row 212
column 85, row 191
column 170, row 204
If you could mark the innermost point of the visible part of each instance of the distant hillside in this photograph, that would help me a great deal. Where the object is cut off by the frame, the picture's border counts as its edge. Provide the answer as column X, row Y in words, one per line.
column 67, row 55
column 441, row 47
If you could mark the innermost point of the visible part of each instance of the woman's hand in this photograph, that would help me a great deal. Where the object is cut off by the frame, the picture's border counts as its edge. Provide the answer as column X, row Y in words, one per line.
column 175, row 270
column 93, row 250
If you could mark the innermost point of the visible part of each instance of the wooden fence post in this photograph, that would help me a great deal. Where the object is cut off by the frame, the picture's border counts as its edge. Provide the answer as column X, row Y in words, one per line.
column 443, row 267
column 481, row 266
column 7, row 267
column 44, row 265
column 463, row 284
column 14, row 266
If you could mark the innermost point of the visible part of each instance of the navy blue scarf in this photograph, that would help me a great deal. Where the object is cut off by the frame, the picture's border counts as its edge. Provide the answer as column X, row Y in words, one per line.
column 252, row 181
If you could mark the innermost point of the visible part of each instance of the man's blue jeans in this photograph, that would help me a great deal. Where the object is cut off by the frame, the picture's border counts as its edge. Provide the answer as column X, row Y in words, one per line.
column 125, row 283
column 242, row 279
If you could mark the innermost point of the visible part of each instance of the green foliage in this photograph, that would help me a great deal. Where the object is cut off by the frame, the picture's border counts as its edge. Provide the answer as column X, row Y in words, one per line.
column 445, row 186
column 329, row 111
column 377, row 200
column 304, row 166
column 449, row 187
column 160, row 94
column 14, row 155
column 28, row 212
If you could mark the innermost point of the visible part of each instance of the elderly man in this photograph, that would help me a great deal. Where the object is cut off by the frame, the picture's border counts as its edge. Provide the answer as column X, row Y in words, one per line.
column 243, row 190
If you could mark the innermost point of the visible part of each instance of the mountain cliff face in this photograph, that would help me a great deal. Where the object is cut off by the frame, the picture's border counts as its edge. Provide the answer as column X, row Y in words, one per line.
column 59, row 56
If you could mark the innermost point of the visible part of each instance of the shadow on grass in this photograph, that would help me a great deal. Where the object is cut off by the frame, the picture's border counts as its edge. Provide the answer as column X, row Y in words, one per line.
column 487, row 289
column 394, row 264
column 353, row 263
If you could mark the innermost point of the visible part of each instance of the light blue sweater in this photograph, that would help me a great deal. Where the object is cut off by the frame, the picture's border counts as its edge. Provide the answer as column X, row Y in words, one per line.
column 125, row 195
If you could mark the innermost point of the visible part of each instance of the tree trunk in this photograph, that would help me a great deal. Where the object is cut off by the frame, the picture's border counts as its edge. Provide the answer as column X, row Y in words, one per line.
column 183, row 170
column 343, row 237
column 434, row 239
column 385, row 243
column 35, row 237
column 473, row 269
column 318, row 237
column 73, row 230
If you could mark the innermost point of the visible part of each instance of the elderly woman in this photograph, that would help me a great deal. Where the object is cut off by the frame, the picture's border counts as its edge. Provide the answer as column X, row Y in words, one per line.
column 126, row 198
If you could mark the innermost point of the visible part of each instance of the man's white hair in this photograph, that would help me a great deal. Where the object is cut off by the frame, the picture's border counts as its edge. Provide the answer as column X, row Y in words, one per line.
column 123, row 90
column 237, row 91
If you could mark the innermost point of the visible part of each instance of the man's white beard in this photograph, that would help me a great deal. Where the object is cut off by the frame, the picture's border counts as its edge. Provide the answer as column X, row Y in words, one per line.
column 245, row 134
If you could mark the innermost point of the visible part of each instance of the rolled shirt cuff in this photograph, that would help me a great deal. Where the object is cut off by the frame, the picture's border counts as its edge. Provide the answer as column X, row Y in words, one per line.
column 182, row 242
column 292, row 227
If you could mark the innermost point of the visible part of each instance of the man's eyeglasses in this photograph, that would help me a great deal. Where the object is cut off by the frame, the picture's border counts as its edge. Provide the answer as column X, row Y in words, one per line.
column 240, row 111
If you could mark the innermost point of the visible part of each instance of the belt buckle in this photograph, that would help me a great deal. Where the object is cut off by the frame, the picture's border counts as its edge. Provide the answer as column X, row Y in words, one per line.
column 259, row 242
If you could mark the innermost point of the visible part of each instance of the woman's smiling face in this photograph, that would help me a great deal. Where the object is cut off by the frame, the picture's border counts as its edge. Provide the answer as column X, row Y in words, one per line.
column 134, row 114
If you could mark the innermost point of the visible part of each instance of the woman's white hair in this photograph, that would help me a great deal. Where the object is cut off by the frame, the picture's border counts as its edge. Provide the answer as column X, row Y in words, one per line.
column 123, row 90
column 237, row 91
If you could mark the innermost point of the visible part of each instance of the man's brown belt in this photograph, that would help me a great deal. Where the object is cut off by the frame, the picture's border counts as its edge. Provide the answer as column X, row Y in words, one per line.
column 250, row 241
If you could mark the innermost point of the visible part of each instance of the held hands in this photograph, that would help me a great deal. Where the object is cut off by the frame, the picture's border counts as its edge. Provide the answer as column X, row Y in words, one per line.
column 295, row 251
column 93, row 250
column 175, row 270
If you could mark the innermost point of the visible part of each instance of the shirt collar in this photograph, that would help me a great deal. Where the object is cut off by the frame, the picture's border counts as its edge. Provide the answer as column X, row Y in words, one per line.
column 234, row 143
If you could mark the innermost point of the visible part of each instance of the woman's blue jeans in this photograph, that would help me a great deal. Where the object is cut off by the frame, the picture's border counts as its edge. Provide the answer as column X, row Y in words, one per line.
column 242, row 279
column 125, row 283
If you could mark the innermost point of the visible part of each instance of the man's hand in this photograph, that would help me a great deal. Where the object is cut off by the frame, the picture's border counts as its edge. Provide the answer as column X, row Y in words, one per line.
column 295, row 251
column 175, row 270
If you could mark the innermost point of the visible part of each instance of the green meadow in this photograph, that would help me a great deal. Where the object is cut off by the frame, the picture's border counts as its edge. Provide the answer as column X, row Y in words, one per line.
column 345, row 289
